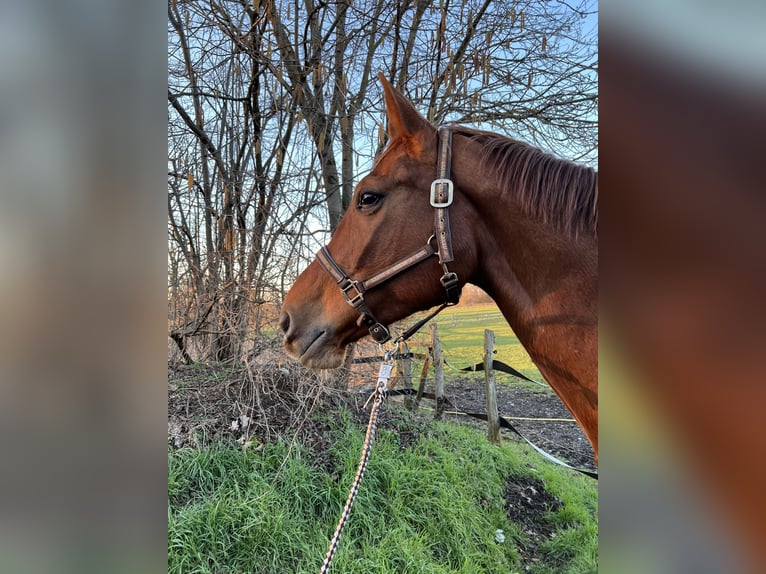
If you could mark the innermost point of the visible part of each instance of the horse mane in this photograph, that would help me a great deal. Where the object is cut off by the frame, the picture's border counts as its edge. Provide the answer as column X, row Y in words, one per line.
column 558, row 192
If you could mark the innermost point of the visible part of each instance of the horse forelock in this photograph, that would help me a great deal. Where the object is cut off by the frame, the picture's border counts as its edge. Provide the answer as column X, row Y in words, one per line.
column 393, row 147
column 558, row 192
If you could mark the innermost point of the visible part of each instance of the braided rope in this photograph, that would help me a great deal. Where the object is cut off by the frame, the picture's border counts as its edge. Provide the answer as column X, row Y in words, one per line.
column 380, row 395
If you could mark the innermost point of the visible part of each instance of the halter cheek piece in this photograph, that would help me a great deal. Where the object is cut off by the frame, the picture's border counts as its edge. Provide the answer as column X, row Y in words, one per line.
column 442, row 194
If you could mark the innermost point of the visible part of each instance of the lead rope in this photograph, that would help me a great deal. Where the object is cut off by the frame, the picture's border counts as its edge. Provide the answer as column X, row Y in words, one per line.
column 442, row 193
column 379, row 396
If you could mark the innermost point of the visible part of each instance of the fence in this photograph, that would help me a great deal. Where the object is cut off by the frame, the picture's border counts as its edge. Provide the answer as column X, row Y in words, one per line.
column 433, row 359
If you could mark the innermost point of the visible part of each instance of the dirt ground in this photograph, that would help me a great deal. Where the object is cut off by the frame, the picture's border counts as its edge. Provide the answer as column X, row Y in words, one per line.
column 562, row 438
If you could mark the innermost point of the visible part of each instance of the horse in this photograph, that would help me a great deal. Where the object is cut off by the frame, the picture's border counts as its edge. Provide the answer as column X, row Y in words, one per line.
column 508, row 217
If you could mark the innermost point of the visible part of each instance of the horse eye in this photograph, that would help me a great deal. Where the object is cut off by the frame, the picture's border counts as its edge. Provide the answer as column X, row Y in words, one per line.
column 368, row 199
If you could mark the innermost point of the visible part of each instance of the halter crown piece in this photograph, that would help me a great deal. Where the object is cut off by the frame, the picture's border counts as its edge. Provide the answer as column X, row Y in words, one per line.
column 442, row 194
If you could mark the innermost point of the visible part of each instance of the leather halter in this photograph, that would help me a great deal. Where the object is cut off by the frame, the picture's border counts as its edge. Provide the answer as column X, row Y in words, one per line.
column 442, row 193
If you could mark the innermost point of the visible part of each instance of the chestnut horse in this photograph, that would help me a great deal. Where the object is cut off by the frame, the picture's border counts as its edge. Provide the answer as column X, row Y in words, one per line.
column 517, row 222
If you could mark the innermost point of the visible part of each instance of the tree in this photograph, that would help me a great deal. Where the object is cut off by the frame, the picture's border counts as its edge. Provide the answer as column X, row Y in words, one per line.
column 274, row 110
column 230, row 137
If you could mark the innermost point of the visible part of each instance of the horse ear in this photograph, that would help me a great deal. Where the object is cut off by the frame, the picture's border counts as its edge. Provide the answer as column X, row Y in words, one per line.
column 403, row 119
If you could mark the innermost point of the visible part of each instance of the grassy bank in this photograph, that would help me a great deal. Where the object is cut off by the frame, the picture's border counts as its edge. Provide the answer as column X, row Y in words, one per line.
column 431, row 501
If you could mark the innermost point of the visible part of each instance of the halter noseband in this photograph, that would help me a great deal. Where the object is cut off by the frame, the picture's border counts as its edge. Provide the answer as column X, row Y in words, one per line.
column 442, row 194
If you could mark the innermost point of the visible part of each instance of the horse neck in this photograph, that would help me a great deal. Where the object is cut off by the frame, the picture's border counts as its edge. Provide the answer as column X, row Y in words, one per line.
column 538, row 277
column 528, row 265
column 544, row 282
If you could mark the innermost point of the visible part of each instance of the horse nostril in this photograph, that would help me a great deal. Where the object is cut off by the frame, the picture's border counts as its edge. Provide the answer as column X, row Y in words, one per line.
column 284, row 322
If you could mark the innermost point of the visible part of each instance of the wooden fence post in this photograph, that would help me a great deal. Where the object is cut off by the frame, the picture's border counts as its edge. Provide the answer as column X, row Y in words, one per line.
column 493, row 420
column 438, row 370
column 423, row 377
column 407, row 366
column 396, row 371
column 406, row 372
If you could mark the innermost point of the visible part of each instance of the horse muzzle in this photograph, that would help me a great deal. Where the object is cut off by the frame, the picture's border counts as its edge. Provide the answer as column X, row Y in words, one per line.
column 313, row 344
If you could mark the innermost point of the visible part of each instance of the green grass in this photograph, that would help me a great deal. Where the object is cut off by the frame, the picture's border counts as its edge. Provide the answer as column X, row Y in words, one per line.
column 432, row 507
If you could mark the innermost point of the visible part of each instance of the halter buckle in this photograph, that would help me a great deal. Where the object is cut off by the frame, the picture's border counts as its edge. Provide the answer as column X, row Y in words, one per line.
column 357, row 297
column 434, row 191
column 451, row 285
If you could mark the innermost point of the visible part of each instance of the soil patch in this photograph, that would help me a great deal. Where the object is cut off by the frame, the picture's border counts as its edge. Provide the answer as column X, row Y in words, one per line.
column 255, row 403
column 535, row 411
column 528, row 504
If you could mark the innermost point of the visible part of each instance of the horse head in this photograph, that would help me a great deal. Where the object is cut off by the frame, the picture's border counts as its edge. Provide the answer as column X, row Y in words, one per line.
column 385, row 254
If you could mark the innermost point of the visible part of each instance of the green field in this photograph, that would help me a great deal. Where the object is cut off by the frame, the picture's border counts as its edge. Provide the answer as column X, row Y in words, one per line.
column 430, row 505
column 461, row 332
